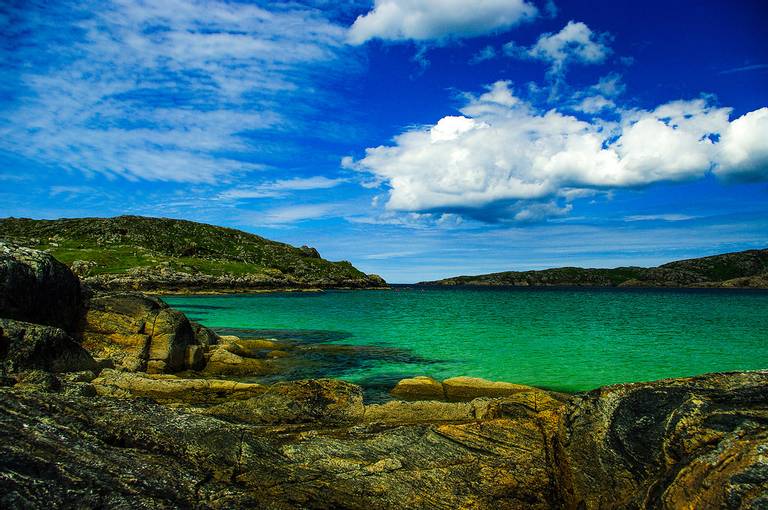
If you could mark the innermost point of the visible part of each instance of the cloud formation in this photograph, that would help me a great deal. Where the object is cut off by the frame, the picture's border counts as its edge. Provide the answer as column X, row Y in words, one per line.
column 574, row 43
column 505, row 159
column 438, row 20
column 167, row 91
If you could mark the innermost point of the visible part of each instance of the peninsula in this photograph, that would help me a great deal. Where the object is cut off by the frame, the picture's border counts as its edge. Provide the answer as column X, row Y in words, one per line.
column 177, row 256
column 730, row 270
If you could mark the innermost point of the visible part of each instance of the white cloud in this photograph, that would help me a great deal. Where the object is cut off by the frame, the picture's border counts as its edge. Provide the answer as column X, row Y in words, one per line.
column 503, row 151
column 744, row 148
column 659, row 217
column 487, row 53
column 294, row 213
column 574, row 43
column 280, row 188
column 594, row 104
column 436, row 20
column 163, row 90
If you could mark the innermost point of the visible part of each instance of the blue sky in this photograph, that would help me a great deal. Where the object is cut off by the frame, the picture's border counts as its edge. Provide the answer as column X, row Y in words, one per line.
column 416, row 138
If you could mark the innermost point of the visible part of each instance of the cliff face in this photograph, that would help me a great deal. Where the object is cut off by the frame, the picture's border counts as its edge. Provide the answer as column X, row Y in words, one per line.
column 729, row 270
column 158, row 254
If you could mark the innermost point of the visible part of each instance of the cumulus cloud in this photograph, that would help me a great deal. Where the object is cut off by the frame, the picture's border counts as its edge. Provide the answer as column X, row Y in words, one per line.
column 502, row 151
column 437, row 20
column 574, row 43
column 744, row 148
column 167, row 91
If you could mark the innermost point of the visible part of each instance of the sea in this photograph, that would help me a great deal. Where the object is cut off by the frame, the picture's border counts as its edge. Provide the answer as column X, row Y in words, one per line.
column 563, row 339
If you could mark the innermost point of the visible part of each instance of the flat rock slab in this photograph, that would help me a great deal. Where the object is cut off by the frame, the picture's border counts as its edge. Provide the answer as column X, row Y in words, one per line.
column 173, row 389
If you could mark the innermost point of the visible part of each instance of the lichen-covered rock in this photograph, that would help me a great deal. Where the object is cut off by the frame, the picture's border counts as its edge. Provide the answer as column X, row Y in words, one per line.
column 222, row 361
column 681, row 443
column 318, row 401
column 686, row 443
column 138, row 333
column 37, row 288
column 26, row 346
column 430, row 411
column 468, row 388
column 203, row 335
column 168, row 388
column 418, row 388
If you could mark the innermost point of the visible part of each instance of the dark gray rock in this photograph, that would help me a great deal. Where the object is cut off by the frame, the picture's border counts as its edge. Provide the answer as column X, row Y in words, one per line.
column 26, row 346
column 35, row 287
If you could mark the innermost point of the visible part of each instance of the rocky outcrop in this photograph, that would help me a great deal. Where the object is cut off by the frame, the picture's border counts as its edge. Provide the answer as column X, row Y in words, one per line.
column 682, row 443
column 37, row 288
column 139, row 333
column 685, row 443
column 418, row 388
column 227, row 359
column 320, row 402
column 464, row 389
column 26, row 346
column 165, row 279
column 170, row 388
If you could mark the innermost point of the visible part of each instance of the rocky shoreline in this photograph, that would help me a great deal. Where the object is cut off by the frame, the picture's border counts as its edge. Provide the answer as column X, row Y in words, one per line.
column 115, row 400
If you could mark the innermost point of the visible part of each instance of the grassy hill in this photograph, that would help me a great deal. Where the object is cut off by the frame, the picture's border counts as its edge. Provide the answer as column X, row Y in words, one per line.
column 738, row 269
column 153, row 253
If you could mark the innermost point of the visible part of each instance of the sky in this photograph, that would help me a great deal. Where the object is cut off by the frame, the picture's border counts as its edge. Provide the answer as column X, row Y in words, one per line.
column 418, row 139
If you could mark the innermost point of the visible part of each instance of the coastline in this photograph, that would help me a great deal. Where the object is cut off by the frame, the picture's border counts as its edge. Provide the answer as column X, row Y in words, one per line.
column 118, row 400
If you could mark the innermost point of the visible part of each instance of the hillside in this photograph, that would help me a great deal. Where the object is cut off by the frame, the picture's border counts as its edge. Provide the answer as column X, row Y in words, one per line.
column 739, row 269
column 158, row 254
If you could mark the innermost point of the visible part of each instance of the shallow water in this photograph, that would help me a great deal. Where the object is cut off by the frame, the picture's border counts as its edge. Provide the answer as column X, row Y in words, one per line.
column 563, row 339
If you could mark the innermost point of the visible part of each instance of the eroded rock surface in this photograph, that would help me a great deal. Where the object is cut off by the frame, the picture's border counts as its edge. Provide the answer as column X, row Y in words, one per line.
column 26, row 346
column 685, row 443
column 138, row 333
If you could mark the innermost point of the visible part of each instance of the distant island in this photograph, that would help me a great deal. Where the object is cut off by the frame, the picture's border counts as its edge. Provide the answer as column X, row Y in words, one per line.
column 747, row 269
column 167, row 255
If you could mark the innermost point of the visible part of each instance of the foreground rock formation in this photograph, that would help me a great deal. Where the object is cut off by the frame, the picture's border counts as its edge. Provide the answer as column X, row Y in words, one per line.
column 114, row 403
column 686, row 443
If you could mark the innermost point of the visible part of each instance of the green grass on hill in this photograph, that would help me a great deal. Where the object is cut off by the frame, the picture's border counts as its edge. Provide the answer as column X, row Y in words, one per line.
column 119, row 244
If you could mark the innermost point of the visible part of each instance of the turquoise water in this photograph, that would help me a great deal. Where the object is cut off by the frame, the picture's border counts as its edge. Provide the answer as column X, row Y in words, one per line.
column 563, row 339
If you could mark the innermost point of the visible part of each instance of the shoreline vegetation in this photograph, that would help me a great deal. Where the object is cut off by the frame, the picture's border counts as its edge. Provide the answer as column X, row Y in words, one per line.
column 113, row 399
column 163, row 256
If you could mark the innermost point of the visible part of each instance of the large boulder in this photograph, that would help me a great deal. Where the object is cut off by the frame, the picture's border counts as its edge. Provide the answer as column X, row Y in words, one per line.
column 468, row 388
column 139, row 333
column 26, row 346
column 37, row 288
column 230, row 359
column 419, row 388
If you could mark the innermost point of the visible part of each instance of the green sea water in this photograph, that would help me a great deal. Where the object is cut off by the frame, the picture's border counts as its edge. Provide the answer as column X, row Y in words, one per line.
column 562, row 339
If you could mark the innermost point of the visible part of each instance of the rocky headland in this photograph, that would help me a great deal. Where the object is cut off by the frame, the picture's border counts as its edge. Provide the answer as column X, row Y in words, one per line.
column 161, row 255
column 115, row 400
column 745, row 269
